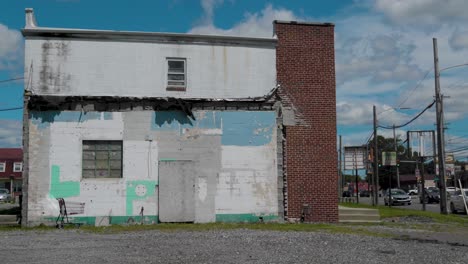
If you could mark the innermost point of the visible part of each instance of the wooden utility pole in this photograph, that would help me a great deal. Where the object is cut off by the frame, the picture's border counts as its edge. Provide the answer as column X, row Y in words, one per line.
column 376, row 161
column 440, row 132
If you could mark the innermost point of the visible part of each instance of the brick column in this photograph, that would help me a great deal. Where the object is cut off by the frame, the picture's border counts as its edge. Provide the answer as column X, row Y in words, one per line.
column 305, row 62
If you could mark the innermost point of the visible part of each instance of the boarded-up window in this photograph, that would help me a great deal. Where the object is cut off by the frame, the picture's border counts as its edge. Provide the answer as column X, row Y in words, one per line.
column 102, row 159
column 176, row 74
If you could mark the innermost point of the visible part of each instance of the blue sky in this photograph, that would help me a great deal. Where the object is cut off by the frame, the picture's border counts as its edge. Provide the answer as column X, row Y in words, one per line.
column 383, row 50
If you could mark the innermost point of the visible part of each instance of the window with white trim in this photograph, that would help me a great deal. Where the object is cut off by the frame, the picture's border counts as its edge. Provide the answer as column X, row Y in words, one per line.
column 102, row 159
column 2, row 166
column 176, row 74
column 17, row 166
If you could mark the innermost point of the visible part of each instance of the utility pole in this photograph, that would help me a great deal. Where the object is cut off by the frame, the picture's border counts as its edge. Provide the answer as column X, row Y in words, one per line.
column 440, row 132
column 396, row 153
column 340, row 181
column 376, row 161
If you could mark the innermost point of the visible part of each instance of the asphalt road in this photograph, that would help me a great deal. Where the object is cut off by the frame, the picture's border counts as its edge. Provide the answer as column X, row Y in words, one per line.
column 415, row 205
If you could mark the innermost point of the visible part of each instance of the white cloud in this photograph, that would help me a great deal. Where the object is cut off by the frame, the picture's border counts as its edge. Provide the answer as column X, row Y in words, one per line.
column 10, row 133
column 459, row 40
column 423, row 12
column 257, row 24
column 11, row 48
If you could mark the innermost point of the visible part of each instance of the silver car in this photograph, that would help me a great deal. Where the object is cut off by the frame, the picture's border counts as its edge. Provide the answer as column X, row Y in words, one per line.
column 457, row 203
column 398, row 197
column 5, row 195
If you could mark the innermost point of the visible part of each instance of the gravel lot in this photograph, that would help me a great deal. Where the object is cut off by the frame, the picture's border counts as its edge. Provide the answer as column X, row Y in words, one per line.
column 219, row 246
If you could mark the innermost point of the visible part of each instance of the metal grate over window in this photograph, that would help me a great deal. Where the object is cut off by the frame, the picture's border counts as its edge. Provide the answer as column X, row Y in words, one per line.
column 102, row 159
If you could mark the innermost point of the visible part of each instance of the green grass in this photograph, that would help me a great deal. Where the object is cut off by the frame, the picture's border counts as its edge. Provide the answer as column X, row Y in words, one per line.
column 390, row 212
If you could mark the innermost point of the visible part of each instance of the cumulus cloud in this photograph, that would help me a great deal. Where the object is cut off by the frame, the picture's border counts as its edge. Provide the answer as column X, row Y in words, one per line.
column 11, row 50
column 10, row 133
column 459, row 40
column 258, row 24
column 423, row 12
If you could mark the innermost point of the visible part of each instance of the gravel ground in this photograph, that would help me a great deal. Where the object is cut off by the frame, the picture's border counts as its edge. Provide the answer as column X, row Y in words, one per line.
column 219, row 246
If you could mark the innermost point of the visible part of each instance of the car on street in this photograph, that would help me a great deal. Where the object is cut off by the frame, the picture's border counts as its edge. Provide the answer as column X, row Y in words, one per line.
column 5, row 195
column 413, row 191
column 457, row 201
column 397, row 196
column 430, row 196
column 364, row 193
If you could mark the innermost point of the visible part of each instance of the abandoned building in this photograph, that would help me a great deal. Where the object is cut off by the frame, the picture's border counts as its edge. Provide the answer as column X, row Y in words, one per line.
column 165, row 127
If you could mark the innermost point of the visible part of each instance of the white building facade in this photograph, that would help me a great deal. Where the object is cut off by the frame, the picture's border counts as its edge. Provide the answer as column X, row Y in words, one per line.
column 150, row 127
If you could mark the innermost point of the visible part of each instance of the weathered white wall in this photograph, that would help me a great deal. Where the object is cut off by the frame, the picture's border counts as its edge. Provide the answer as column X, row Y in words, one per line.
column 234, row 155
column 137, row 69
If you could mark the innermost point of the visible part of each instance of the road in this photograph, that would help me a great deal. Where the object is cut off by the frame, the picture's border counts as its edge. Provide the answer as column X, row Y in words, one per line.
column 415, row 205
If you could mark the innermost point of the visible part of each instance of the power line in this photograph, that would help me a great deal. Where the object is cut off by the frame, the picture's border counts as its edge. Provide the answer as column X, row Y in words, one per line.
column 11, row 80
column 417, row 85
column 11, row 109
column 414, row 118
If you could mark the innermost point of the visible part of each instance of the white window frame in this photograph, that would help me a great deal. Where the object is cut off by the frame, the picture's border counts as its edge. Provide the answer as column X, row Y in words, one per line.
column 176, row 87
column 20, row 166
column 3, row 166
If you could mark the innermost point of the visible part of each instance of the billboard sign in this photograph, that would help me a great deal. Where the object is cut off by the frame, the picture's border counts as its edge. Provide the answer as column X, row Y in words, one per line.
column 355, row 157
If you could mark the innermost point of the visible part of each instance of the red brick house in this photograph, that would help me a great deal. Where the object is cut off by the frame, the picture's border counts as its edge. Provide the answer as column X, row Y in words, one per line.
column 11, row 169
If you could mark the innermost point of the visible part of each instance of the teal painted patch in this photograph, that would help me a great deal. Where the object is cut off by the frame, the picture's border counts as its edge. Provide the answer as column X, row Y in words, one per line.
column 43, row 119
column 177, row 120
column 138, row 190
column 250, row 128
column 63, row 189
column 246, row 218
column 114, row 220
column 239, row 128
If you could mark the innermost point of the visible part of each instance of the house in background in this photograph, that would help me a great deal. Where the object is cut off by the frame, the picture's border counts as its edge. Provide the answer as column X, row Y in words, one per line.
column 167, row 127
column 11, row 170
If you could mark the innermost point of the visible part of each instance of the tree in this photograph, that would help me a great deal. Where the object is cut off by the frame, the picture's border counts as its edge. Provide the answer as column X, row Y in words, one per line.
column 385, row 172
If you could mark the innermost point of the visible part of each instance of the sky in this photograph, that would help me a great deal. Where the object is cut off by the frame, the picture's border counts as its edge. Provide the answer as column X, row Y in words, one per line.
column 383, row 52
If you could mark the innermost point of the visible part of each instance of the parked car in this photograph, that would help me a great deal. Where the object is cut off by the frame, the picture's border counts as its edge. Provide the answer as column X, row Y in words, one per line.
column 413, row 192
column 457, row 203
column 5, row 195
column 346, row 194
column 364, row 193
column 398, row 196
column 431, row 196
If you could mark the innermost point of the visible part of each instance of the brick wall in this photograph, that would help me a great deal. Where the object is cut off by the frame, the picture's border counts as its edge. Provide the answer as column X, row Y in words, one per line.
column 305, row 63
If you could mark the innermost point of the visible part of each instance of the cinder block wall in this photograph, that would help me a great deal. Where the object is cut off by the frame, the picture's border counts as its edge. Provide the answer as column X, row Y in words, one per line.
column 306, row 72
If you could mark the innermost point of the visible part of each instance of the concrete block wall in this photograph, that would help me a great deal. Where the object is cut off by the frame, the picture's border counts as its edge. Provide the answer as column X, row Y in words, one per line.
column 305, row 65
column 233, row 155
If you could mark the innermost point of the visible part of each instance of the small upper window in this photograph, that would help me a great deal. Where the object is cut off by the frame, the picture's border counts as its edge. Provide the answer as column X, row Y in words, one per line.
column 176, row 75
column 2, row 166
column 17, row 166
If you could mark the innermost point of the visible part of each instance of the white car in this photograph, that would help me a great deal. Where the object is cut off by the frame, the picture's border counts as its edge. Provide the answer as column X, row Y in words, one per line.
column 457, row 203
column 413, row 192
column 5, row 195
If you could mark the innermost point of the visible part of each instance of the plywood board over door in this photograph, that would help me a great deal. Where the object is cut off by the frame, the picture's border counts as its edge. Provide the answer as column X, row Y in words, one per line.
column 176, row 191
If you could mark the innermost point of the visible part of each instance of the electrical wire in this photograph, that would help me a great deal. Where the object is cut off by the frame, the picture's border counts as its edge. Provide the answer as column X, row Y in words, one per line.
column 409, row 122
column 11, row 109
column 417, row 85
column 11, row 80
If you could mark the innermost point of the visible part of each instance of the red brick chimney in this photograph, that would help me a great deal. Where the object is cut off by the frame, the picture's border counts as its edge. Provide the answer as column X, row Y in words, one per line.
column 305, row 63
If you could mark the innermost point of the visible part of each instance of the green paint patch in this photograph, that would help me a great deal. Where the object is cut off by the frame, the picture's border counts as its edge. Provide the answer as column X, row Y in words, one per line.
column 138, row 190
column 113, row 220
column 244, row 218
column 167, row 160
column 63, row 189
